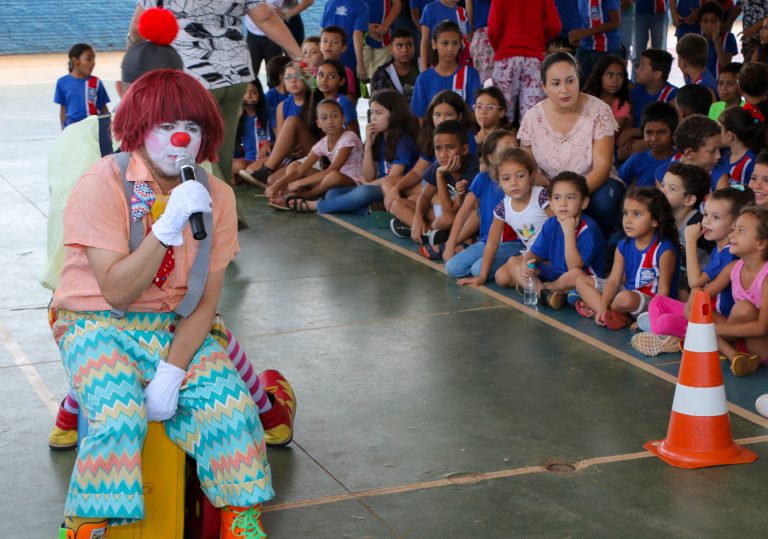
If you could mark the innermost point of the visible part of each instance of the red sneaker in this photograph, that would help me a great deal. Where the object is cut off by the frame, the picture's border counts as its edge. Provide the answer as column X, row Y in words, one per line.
column 278, row 421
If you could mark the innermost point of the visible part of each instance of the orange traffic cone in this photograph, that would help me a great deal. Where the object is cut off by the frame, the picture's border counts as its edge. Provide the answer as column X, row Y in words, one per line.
column 699, row 432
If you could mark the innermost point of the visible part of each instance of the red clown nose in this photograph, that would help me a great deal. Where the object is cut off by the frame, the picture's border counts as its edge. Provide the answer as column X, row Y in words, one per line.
column 181, row 140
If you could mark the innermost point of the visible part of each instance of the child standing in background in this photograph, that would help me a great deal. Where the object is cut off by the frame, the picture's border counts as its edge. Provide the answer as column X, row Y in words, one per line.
column 80, row 94
column 433, row 14
column 646, row 263
column 351, row 16
column 685, row 16
column 722, row 44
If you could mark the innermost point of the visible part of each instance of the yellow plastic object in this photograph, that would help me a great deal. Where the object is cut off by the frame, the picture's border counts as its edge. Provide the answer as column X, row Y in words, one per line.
column 163, row 467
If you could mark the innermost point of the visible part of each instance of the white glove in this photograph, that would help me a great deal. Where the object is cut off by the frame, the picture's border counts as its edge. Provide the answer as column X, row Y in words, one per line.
column 161, row 395
column 188, row 198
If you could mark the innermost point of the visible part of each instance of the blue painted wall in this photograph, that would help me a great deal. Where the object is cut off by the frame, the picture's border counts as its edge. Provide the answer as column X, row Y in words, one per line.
column 56, row 25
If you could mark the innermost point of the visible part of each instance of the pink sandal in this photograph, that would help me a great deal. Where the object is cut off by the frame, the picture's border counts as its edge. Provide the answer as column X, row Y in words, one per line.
column 584, row 310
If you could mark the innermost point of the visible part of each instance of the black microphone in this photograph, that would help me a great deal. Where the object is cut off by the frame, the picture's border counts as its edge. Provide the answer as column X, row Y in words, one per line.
column 186, row 167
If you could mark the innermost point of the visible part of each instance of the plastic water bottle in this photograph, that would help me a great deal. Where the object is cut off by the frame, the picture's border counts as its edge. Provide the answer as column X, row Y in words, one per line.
column 530, row 296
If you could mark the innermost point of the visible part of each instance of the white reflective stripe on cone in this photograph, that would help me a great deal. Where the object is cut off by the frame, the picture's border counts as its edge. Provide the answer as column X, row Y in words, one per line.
column 700, row 338
column 700, row 401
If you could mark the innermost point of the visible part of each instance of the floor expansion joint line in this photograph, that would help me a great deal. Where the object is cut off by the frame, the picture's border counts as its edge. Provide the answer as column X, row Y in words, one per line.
column 464, row 478
column 28, row 370
column 588, row 339
column 375, row 321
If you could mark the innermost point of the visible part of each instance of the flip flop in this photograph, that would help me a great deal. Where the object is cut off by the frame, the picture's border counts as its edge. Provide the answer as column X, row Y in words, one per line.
column 615, row 320
column 297, row 204
column 278, row 206
column 584, row 310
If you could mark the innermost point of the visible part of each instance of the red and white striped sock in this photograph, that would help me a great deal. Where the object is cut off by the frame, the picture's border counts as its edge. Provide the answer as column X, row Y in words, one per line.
column 245, row 369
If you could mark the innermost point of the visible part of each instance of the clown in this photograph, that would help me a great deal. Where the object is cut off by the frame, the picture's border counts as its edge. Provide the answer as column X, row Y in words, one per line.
column 129, row 354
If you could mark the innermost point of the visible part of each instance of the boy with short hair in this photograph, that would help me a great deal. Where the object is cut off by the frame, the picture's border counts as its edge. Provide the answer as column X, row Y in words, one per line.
column 381, row 16
column 693, row 99
column 352, row 17
column 721, row 43
column 685, row 187
column 310, row 51
column 400, row 74
column 727, row 89
column 333, row 44
column 445, row 181
column 651, row 86
column 570, row 243
column 697, row 140
column 692, row 50
column 659, row 122
column 753, row 83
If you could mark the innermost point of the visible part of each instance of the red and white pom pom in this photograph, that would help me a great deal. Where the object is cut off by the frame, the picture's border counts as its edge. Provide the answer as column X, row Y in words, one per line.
column 159, row 26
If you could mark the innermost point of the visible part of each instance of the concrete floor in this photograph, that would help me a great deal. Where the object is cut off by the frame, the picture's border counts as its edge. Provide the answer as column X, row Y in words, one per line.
column 426, row 410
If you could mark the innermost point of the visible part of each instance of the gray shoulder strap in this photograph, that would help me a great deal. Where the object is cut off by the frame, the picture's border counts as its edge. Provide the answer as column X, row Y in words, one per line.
column 198, row 273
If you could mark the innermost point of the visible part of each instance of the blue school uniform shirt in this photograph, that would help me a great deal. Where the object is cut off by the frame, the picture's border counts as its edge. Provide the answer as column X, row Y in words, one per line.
column 740, row 172
column 640, row 168
column 254, row 136
column 290, row 108
column 350, row 111
column 76, row 96
column 471, row 168
column 350, row 15
column 599, row 14
column 405, row 154
column 590, row 242
column 465, row 81
column 718, row 260
column 376, row 15
column 488, row 194
column 705, row 79
column 640, row 98
column 645, row 7
column 573, row 14
column 274, row 98
column 641, row 268
column 436, row 12
column 728, row 41
column 482, row 10
column 684, row 8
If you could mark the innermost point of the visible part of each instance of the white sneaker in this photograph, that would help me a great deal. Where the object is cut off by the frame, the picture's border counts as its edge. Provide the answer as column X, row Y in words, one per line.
column 762, row 405
column 651, row 344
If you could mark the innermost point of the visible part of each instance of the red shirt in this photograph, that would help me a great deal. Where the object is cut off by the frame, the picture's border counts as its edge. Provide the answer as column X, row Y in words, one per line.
column 522, row 28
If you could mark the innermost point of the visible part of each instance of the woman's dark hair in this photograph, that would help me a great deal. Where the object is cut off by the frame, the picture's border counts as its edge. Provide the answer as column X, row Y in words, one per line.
column 316, row 96
column 490, row 144
column 556, row 58
column 448, row 97
column 444, row 26
column 749, row 130
column 276, row 69
column 262, row 112
column 594, row 84
column 401, row 121
column 76, row 51
column 661, row 212
column 738, row 198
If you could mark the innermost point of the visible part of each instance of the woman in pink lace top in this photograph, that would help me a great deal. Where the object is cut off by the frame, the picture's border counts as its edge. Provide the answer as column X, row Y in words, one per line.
column 574, row 131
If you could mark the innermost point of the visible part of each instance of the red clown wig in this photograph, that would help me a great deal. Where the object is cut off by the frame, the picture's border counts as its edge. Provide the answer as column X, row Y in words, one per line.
column 167, row 95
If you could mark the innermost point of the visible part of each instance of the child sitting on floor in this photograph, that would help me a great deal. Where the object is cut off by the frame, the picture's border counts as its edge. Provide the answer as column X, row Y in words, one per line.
column 685, row 187
column 759, row 181
column 646, row 263
column 745, row 137
column 429, row 219
column 490, row 111
column 525, row 208
column 659, row 124
column 609, row 82
column 342, row 148
column 692, row 60
column 666, row 317
column 252, row 130
column 697, row 140
column 483, row 196
column 742, row 337
column 569, row 245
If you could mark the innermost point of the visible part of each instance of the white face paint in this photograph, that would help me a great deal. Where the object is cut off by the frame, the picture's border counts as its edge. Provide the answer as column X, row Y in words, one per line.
column 167, row 140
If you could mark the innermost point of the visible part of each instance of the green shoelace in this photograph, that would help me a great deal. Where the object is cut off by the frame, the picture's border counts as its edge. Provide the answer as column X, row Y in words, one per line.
column 249, row 522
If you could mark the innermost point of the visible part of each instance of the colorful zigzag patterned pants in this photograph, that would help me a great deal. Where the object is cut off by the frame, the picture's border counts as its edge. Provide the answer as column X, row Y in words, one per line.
column 108, row 362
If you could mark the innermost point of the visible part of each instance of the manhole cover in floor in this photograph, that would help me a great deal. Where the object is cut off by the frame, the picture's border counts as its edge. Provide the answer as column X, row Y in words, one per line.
column 561, row 467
